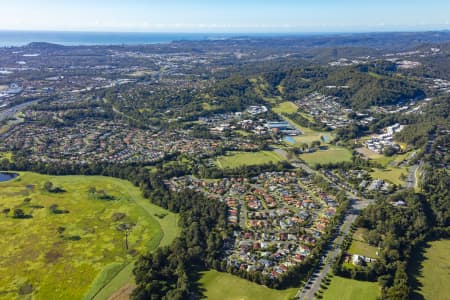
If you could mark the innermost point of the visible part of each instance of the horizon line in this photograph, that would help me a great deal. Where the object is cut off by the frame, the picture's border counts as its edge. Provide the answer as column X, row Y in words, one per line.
column 226, row 32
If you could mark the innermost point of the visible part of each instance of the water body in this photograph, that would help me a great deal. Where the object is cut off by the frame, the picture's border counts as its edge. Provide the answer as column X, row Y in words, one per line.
column 289, row 139
column 7, row 176
column 10, row 38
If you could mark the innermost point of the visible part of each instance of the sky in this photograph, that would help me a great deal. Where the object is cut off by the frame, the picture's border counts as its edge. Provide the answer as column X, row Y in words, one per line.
column 223, row 16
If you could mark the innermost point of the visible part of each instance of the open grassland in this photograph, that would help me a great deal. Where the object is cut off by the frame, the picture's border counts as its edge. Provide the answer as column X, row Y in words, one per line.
column 77, row 252
column 285, row 107
column 391, row 174
column 331, row 155
column 350, row 289
column 224, row 286
column 239, row 159
column 359, row 246
column 432, row 272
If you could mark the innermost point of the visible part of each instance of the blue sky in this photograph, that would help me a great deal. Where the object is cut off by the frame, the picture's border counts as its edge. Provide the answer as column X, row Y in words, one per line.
column 225, row 16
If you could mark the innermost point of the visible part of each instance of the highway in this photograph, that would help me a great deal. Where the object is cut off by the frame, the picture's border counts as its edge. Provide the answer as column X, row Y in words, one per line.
column 12, row 111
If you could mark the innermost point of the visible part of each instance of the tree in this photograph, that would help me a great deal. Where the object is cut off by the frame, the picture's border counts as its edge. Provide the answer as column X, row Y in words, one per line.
column 390, row 150
column 6, row 211
column 19, row 213
column 48, row 186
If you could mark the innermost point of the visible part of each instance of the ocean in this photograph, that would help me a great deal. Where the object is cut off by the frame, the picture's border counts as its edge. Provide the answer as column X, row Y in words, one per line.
column 21, row 38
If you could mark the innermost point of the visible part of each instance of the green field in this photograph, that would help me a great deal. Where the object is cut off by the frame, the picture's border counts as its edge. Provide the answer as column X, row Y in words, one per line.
column 433, row 272
column 391, row 174
column 239, row 159
column 359, row 246
column 224, row 286
column 285, row 107
column 67, row 255
column 349, row 289
column 332, row 155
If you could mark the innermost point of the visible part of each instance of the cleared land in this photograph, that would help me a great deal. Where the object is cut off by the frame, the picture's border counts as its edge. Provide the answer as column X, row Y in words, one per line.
column 349, row 289
column 433, row 272
column 239, row 159
column 332, row 155
column 68, row 254
column 224, row 286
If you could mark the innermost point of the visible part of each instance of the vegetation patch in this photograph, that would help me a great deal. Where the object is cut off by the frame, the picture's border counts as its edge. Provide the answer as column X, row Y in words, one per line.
column 6, row 155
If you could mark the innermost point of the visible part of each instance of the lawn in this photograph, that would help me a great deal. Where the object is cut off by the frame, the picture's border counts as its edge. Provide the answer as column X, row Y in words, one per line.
column 349, row 289
column 224, row 286
column 239, row 159
column 433, row 271
column 332, row 155
column 67, row 255
column 391, row 174
column 285, row 107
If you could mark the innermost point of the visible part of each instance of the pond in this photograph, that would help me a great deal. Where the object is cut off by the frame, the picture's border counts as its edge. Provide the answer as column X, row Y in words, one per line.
column 326, row 138
column 289, row 139
column 7, row 176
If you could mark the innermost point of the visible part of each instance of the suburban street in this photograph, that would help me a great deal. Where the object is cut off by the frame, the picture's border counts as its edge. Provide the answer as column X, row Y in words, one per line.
column 410, row 181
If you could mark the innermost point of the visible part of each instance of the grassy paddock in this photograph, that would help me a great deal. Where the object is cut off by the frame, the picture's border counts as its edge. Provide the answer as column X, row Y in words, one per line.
column 349, row 289
column 224, row 286
column 66, row 256
column 239, row 159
